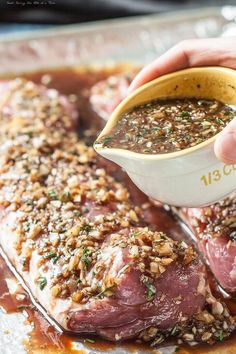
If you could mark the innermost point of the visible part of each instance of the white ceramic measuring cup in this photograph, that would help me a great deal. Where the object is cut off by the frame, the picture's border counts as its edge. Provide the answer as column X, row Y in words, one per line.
column 191, row 177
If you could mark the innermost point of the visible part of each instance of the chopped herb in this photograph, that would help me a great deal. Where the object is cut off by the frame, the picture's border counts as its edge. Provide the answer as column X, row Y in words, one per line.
column 220, row 121
column 42, row 282
column 29, row 202
column 184, row 114
column 89, row 340
column 177, row 349
column 151, row 292
column 54, row 259
column 221, row 335
column 52, row 255
column 163, row 236
column 102, row 294
column 86, row 228
column 106, row 140
column 85, row 258
column 137, row 138
column 145, row 131
column 27, row 227
column 135, row 233
column 173, row 331
column 77, row 213
column 29, row 134
column 52, row 194
column 116, row 244
column 66, row 197
column 79, row 281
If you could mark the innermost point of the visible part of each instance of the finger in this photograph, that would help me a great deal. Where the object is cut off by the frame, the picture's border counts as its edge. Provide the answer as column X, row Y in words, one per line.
column 225, row 144
column 189, row 53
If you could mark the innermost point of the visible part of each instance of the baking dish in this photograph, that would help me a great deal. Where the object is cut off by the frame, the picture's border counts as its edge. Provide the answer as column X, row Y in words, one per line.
column 98, row 44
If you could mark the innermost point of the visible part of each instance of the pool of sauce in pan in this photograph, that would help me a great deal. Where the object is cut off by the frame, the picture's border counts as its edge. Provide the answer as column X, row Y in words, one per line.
column 44, row 338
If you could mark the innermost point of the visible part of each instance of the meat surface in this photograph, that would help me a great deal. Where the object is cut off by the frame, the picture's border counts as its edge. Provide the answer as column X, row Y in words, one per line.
column 107, row 94
column 215, row 229
column 80, row 244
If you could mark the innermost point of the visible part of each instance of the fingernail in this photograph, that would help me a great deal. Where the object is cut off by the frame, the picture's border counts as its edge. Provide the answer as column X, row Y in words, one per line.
column 225, row 147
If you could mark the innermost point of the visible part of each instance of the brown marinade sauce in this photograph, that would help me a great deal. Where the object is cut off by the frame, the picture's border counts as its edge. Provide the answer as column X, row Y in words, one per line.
column 164, row 126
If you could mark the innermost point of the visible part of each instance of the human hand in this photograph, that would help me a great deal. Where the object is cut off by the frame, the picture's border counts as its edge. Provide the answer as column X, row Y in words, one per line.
column 192, row 53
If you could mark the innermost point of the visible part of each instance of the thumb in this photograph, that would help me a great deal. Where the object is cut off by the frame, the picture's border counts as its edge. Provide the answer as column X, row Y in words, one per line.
column 225, row 144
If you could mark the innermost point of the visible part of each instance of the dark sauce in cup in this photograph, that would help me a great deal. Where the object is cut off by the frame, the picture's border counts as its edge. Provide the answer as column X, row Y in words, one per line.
column 164, row 126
